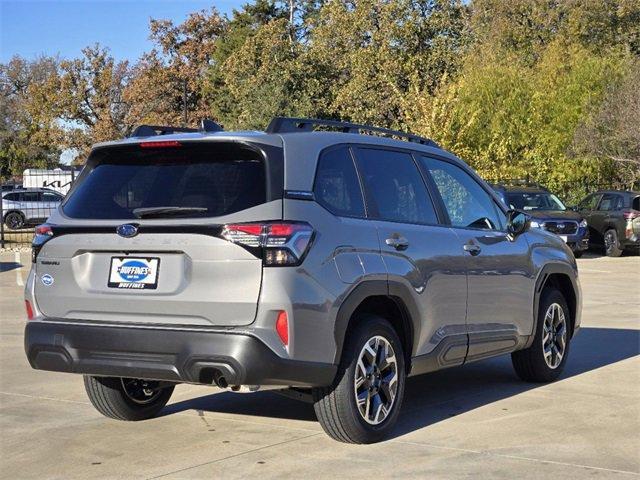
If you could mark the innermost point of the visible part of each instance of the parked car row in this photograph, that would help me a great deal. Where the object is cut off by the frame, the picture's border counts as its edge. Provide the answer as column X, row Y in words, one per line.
column 605, row 219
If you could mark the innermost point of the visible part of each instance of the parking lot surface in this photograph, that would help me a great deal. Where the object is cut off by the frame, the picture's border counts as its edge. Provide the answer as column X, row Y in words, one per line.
column 476, row 421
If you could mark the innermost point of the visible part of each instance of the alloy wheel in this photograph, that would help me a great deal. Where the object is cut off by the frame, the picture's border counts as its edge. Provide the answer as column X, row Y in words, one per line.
column 14, row 221
column 554, row 335
column 376, row 380
column 609, row 240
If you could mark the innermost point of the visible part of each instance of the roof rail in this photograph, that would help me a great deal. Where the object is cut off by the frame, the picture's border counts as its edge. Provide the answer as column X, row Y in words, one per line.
column 206, row 125
column 292, row 124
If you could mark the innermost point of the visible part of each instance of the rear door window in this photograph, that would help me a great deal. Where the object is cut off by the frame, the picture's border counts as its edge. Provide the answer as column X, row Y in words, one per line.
column 190, row 181
column 337, row 187
column 610, row 202
column 30, row 197
column 395, row 189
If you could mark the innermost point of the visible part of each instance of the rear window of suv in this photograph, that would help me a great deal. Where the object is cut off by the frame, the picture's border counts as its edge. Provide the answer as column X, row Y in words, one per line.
column 186, row 181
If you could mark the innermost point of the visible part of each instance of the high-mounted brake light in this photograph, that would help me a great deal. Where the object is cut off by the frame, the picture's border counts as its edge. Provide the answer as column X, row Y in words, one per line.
column 162, row 144
column 280, row 243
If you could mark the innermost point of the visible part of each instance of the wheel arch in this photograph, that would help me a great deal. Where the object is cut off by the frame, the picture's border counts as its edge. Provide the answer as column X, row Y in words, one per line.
column 563, row 278
column 385, row 299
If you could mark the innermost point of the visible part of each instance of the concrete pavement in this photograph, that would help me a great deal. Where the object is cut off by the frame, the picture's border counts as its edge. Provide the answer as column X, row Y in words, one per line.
column 477, row 421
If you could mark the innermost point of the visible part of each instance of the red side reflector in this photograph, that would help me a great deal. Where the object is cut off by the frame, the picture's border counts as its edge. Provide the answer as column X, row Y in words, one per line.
column 27, row 306
column 166, row 144
column 282, row 327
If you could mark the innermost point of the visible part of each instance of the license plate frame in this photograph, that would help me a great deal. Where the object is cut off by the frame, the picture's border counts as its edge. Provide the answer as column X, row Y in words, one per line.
column 134, row 273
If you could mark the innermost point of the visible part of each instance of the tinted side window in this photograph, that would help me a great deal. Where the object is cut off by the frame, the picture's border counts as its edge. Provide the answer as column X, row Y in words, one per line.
column 466, row 202
column 610, row 202
column 13, row 197
column 337, row 187
column 51, row 197
column 395, row 187
column 30, row 197
column 589, row 203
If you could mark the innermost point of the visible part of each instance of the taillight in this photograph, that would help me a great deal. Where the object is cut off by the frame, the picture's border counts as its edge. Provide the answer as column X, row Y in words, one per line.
column 279, row 243
column 29, row 309
column 43, row 234
column 282, row 327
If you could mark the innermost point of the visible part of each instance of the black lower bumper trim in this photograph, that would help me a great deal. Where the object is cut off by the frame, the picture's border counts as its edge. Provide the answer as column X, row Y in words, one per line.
column 162, row 354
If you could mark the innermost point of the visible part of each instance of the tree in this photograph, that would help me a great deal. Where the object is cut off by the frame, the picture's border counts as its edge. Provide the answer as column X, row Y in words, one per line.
column 90, row 99
column 174, row 70
column 30, row 136
column 613, row 132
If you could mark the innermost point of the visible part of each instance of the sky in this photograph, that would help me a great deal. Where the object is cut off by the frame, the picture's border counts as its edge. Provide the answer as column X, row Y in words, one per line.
column 35, row 27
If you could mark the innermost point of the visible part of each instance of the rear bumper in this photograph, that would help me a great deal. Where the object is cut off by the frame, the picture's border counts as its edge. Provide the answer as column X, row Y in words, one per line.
column 189, row 356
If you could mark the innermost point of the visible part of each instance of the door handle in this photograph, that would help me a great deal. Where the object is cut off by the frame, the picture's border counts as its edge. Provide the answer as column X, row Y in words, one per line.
column 472, row 248
column 397, row 242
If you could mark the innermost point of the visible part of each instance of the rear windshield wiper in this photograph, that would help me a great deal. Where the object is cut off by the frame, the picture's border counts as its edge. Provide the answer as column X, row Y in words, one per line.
column 169, row 211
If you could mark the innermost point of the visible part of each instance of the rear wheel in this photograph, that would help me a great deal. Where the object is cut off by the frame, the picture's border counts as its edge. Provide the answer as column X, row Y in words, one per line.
column 127, row 398
column 14, row 220
column 363, row 403
column 544, row 360
column 611, row 244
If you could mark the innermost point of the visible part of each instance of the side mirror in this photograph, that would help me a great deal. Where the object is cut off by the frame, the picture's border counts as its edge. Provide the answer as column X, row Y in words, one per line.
column 517, row 223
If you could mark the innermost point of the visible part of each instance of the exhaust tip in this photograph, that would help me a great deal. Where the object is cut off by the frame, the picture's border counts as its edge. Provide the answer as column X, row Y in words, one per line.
column 220, row 381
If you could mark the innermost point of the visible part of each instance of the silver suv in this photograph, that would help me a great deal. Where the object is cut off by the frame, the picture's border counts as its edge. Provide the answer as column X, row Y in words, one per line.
column 332, row 264
column 28, row 206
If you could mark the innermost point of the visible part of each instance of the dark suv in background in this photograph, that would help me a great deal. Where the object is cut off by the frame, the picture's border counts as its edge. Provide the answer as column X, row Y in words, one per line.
column 614, row 220
column 548, row 213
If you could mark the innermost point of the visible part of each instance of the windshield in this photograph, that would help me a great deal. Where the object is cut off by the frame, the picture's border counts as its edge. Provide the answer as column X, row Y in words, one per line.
column 534, row 201
column 188, row 181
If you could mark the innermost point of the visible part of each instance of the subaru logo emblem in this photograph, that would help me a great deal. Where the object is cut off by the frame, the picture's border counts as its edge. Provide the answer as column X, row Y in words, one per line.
column 127, row 230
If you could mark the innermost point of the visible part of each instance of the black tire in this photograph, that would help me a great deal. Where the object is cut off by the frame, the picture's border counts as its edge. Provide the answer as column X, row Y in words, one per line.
column 14, row 220
column 336, row 406
column 611, row 243
column 578, row 253
column 530, row 364
column 109, row 397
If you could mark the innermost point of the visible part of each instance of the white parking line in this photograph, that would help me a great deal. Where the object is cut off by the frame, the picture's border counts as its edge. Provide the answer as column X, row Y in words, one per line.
column 19, row 280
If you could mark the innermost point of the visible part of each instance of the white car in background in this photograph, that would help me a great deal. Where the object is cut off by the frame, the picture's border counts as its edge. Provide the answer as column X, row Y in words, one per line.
column 28, row 206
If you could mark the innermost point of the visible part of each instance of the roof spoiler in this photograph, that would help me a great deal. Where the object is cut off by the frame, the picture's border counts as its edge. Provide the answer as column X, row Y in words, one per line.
column 206, row 125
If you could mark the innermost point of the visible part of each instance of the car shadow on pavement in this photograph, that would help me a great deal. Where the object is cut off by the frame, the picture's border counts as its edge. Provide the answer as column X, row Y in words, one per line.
column 437, row 396
column 8, row 266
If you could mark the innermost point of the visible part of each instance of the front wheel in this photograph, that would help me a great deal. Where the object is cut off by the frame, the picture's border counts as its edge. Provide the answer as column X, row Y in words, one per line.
column 544, row 360
column 128, row 399
column 363, row 403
